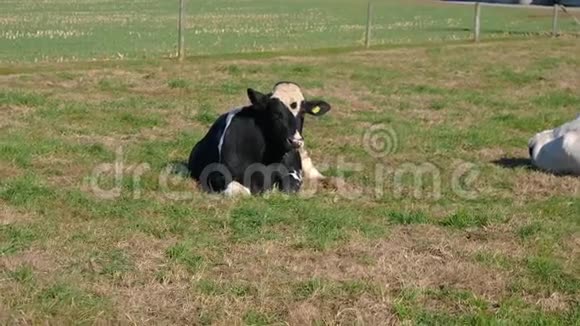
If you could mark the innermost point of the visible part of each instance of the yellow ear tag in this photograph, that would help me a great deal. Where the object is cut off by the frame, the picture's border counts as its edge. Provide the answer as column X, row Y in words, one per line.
column 316, row 109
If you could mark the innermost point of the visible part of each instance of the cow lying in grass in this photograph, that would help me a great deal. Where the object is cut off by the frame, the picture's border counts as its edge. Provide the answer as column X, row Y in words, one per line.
column 250, row 150
column 557, row 150
column 259, row 147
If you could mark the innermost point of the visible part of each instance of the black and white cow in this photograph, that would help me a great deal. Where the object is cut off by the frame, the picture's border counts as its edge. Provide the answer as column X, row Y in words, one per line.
column 291, row 95
column 250, row 150
column 557, row 150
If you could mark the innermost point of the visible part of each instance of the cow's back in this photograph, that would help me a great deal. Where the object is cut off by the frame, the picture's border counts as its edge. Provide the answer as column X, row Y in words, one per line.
column 206, row 151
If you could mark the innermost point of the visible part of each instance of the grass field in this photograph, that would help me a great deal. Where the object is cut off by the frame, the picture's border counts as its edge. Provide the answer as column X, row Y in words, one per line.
column 59, row 30
column 499, row 244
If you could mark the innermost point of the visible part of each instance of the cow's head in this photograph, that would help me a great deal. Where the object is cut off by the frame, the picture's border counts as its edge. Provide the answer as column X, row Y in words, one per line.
column 291, row 95
column 275, row 119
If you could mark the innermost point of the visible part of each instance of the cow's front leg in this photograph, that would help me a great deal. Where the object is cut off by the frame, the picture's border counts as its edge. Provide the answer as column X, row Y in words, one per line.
column 236, row 189
column 308, row 169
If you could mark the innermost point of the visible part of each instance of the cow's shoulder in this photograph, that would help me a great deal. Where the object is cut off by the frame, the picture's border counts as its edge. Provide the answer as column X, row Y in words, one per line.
column 243, row 142
column 244, row 139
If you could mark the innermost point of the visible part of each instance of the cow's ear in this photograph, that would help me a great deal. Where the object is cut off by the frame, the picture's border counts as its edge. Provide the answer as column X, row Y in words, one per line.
column 316, row 108
column 256, row 97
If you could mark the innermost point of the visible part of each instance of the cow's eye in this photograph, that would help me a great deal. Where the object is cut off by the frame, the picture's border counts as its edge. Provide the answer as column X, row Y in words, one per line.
column 294, row 105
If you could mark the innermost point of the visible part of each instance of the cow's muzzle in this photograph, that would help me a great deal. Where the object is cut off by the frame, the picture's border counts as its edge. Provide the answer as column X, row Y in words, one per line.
column 296, row 142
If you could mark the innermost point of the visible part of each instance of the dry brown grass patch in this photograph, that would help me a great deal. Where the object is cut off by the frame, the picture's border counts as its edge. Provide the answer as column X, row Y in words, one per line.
column 422, row 256
column 538, row 185
column 41, row 261
column 9, row 171
column 9, row 215
column 11, row 115
column 554, row 302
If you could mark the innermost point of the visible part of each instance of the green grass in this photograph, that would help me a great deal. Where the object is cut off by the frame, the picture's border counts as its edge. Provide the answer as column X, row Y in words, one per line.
column 307, row 289
column 23, row 275
column 310, row 223
column 406, row 245
column 549, row 272
column 465, row 219
column 9, row 97
column 255, row 318
column 112, row 85
column 530, row 230
column 15, row 238
column 181, row 254
column 409, row 306
column 114, row 263
column 178, row 83
column 206, row 114
column 557, row 99
column 234, row 289
column 61, row 299
column 26, row 192
column 55, row 31
column 408, row 218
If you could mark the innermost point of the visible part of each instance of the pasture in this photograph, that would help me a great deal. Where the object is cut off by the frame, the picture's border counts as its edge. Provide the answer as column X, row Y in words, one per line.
column 481, row 237
column 439, row 220
column 71, row 30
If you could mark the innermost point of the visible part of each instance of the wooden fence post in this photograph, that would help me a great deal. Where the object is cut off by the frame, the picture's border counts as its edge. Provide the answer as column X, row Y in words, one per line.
column 369, row 24
column 555, row 20
column 180, row 32
column 477, row 22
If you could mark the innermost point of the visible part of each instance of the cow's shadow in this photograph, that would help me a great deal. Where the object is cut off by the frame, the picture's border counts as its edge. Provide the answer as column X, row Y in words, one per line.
column 514, row 163
column 526, row 163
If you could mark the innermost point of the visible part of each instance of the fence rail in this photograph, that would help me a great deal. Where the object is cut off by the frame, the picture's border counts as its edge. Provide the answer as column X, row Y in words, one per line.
column 52, row 30
column 557, row 8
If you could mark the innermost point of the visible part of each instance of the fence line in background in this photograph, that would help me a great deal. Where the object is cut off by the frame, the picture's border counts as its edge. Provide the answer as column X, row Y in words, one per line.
column 555, row 21
column 570, row 14
column 369, row 24
column 555, row 17
column 180, row 33
column 368, row 32
column 477, row 23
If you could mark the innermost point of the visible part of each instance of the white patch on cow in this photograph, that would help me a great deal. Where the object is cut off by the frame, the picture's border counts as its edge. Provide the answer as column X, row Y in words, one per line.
column 235, row 189
column 574, row 125
column 558, row 150
column 229, row 119
column 298, row 140
column 296, row 175
column 289, row 93
column 310, row 172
